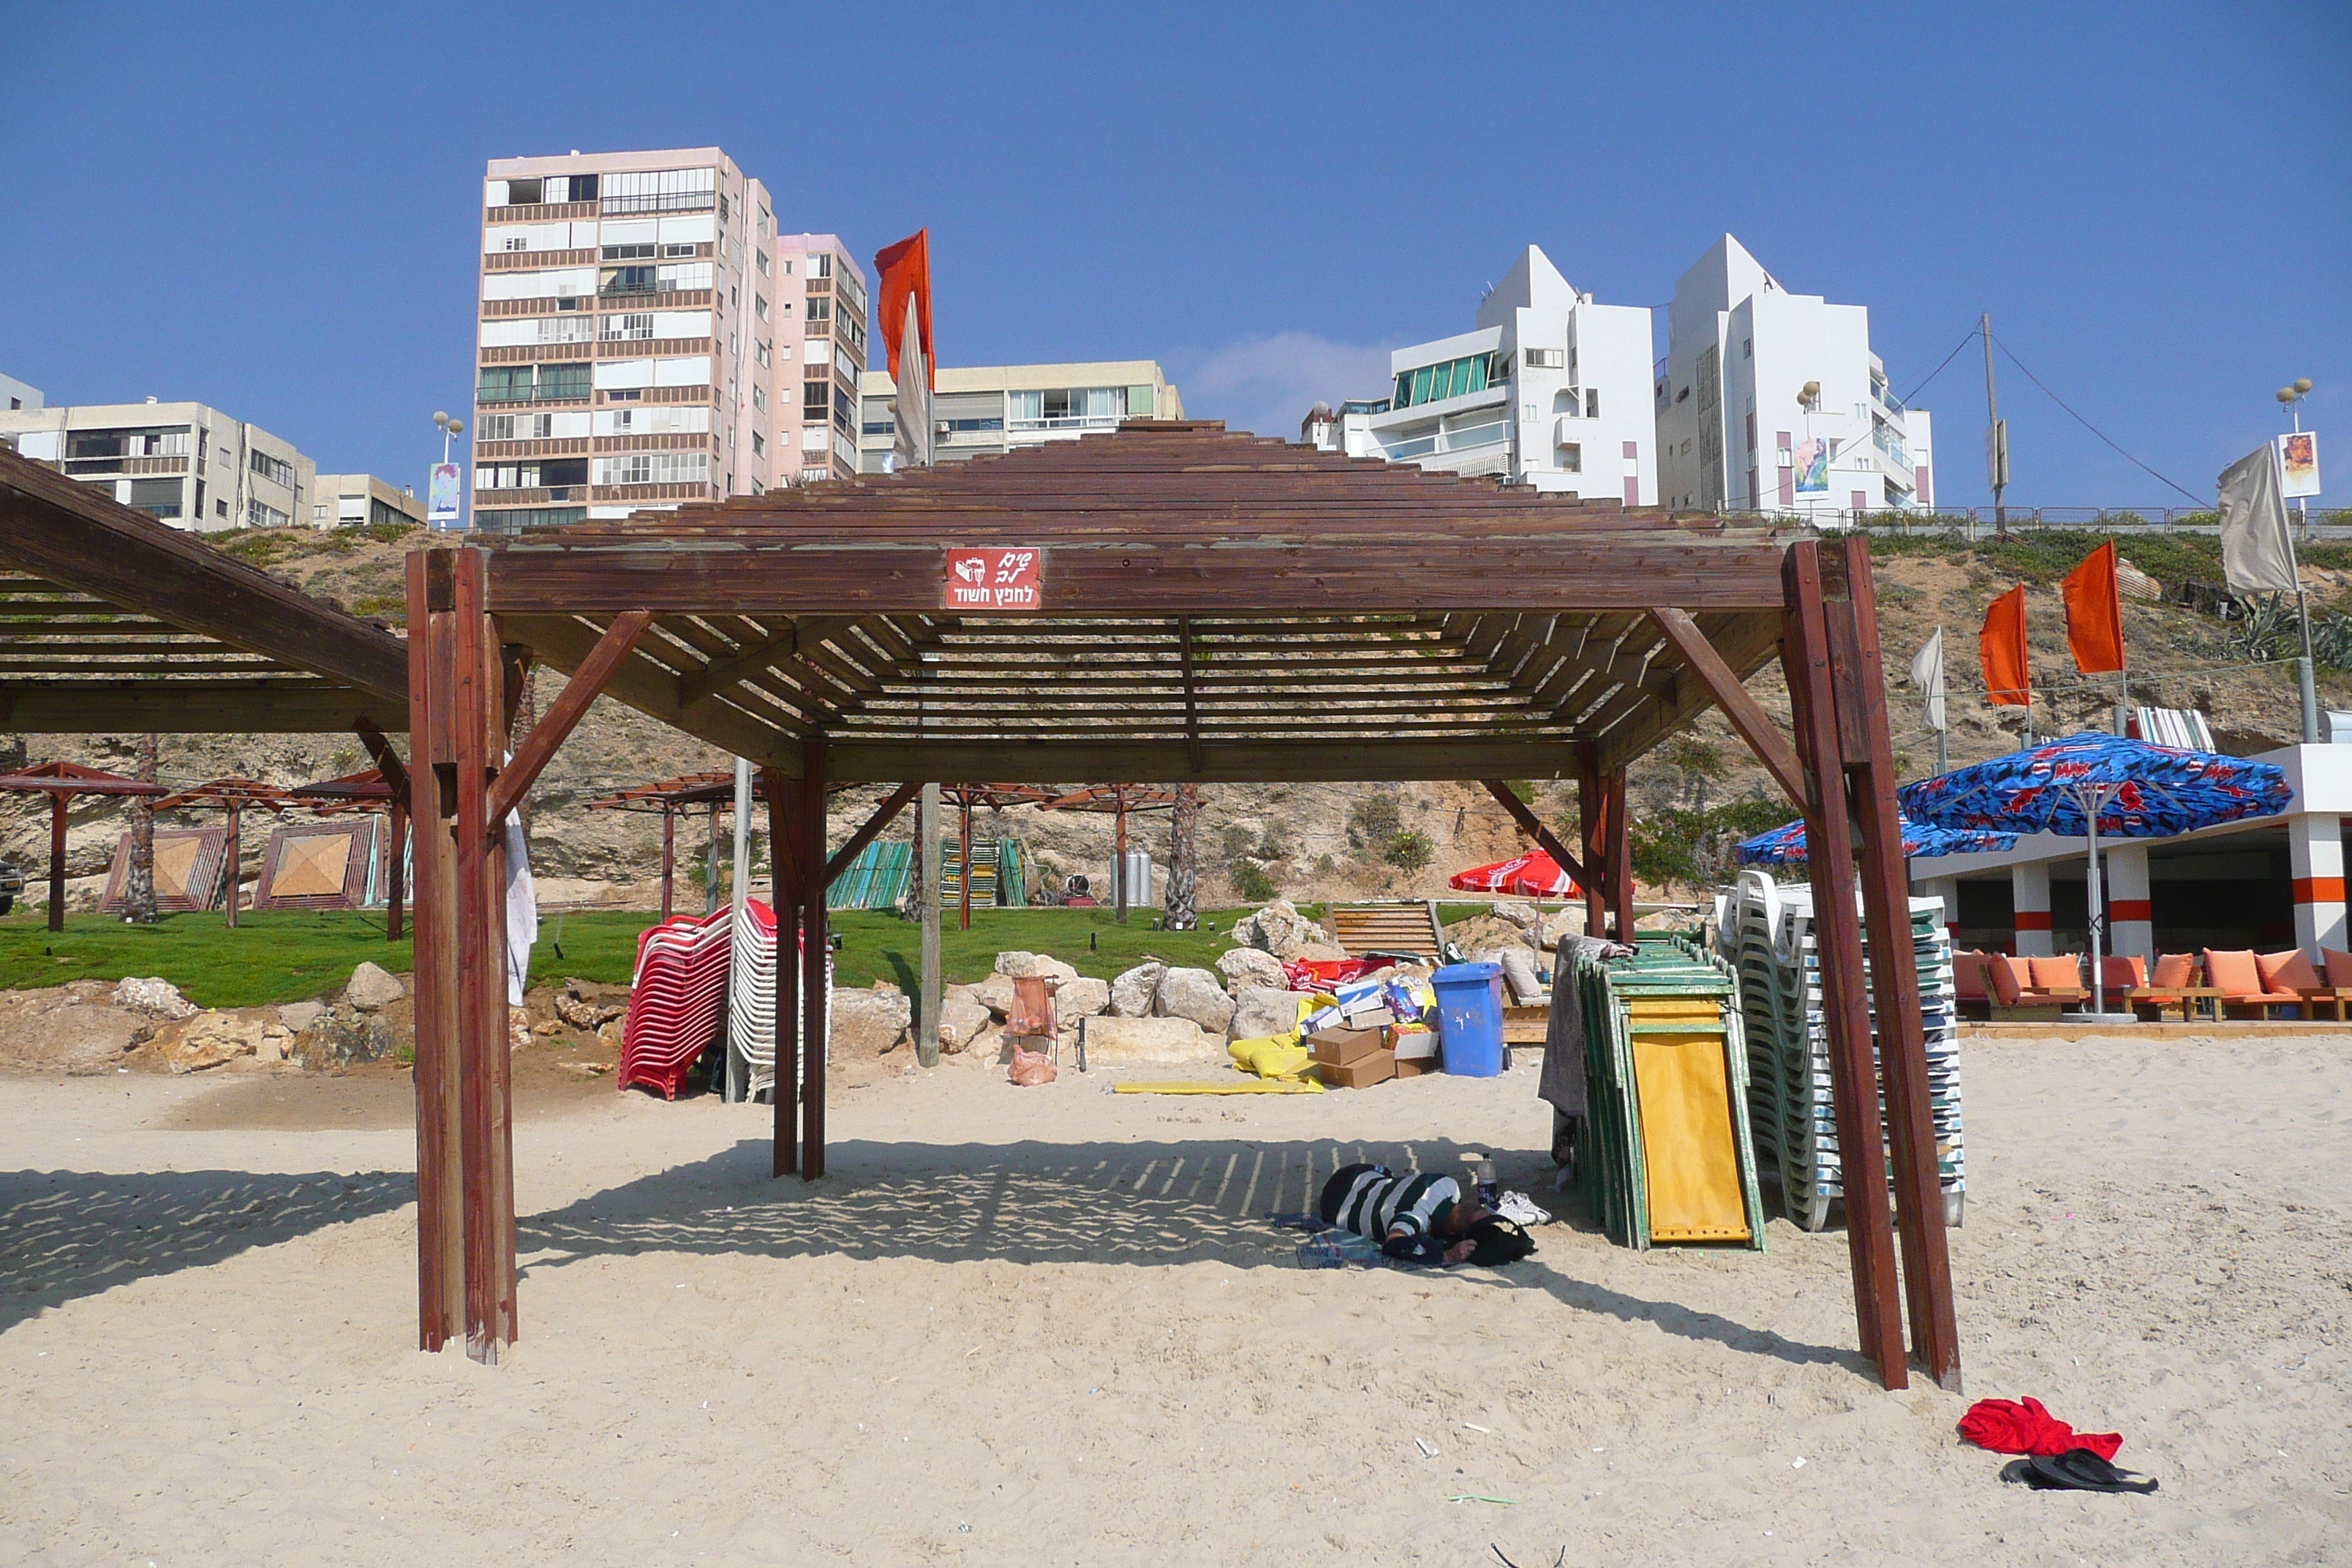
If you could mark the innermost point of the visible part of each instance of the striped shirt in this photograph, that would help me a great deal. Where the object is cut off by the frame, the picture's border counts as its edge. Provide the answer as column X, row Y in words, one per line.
column 1371, row 1202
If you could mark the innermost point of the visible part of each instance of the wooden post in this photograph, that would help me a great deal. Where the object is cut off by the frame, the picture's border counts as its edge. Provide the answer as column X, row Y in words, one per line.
column 57, row 802
column 396, row 872
column 1621, row 852
column 1118, row 861
column 964, row 878
column 669, row 853
column 1869, row 754
column 815, row 950
column 1845, row 1008
column 485, row 1130
column 235, row 860
column 927, row 891
column 783, row 796
column 1594, row 842
column 440, row 1219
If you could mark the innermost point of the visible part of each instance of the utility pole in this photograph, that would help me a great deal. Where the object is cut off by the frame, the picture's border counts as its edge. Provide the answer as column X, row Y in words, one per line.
column 1996, row 434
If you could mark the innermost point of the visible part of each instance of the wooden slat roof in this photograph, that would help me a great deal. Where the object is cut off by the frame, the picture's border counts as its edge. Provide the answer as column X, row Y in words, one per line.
column 1215, row 605
column 112, row 621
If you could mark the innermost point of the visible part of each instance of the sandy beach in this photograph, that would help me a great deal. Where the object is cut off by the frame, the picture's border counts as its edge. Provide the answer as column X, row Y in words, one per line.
column 1052, row 1326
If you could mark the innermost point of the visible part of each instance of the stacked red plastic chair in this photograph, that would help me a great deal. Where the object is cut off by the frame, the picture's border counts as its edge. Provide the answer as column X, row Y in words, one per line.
column 677, row 1000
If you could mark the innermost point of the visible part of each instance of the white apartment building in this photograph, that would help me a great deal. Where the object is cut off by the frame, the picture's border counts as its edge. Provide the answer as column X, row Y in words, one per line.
column 1551, row 389
column 348, row 500
column 1770, row 401
column 821, row 308
column 19, row 395
column 982, row 409
column 627, row 336
column 192, row 466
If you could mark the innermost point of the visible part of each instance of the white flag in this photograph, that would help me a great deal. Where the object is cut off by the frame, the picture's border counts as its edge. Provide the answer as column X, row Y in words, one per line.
column 2257, row 556
column 1927, row 674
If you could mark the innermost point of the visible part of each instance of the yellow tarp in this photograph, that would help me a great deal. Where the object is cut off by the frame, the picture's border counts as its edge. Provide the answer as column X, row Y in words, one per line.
column 1686, row 1100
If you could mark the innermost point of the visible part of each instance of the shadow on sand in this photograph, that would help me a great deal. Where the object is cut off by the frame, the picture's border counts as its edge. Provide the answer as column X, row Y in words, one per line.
column 68, row 1233
column 1119, row 1203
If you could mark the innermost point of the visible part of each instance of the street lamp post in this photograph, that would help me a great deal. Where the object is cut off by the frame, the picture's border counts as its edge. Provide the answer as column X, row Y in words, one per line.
column 450, row 427
column 2291, row 399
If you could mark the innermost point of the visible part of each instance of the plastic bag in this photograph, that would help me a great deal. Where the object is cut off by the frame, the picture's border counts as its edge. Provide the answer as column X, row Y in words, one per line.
column 1030, row 1068
column 1270, row 1056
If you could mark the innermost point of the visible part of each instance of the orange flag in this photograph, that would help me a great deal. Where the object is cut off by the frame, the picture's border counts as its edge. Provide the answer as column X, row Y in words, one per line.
column 2095, row 614
column 906, row 270
column 2001, row 646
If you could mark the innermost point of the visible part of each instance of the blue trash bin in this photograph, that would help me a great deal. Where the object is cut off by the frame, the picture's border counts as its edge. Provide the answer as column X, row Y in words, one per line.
column 1470, row 1018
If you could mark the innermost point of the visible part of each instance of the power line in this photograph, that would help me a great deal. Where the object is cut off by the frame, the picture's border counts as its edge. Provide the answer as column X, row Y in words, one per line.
column 1965, row 339
column 2091, row 428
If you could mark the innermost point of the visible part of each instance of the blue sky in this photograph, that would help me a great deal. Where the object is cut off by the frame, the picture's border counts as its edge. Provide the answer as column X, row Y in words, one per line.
column 272, row 209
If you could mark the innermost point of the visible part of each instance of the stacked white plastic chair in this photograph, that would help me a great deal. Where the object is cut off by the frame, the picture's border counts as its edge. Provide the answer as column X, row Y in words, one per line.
column 1768, row 932
column 751, row 1005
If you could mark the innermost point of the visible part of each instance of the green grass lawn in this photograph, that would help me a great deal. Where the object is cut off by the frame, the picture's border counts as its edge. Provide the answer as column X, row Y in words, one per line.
column 289, row 955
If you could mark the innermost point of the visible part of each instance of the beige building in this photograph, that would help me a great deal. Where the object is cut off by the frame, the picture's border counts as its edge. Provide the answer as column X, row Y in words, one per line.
column 192, row 466
column 627, row 339
column 820, row 344
column 996, row 408
column 346, row 500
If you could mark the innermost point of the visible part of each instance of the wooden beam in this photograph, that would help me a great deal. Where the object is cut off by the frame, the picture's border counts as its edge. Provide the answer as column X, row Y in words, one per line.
column 782, row 796
column 386, row 760
column 1747, row 715
column 1845, row 1004
column 815, row 957
column 440, row 1214
column 645, row 685
column 1191, row 696
column 267, row 705
column 884, row 815
column 1861, row 685
column 1747, row 642
column 1127, row 577
column 78, row 537
column 719, row 674
column 1532, row 825
column 563, row 714
column 1303, row 760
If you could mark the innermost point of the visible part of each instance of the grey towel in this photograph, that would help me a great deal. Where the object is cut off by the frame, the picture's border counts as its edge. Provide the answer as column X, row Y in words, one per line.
column 1562, row 1080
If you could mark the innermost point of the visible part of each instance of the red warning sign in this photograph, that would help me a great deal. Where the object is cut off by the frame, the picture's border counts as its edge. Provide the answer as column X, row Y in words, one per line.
column 995, row 581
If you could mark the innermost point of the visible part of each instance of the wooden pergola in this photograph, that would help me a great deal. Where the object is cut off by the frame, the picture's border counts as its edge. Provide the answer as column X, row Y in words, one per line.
column 1173, row 602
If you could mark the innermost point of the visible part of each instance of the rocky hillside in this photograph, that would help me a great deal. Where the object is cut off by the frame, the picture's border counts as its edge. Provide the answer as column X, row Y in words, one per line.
column 1306, row 841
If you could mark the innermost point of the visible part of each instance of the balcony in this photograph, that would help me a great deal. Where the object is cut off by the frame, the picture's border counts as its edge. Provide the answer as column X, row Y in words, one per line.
column 1886, row 399
column 1890, row 444
column 1492, row 437
column 1070, row 422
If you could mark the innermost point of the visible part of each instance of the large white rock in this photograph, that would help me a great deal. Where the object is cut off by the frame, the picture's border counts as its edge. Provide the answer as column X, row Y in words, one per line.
column 1132, row 994
column 867, row 1023
column 1081, row 998
column 1019, row 964
column 156, row 997
column 1195, row 993
column 1243, row 967
column 961, row 1019
column 1278, row 928
column 1149, row 1042
column 995, row 993
column 373, row 986
column 1262, row 1010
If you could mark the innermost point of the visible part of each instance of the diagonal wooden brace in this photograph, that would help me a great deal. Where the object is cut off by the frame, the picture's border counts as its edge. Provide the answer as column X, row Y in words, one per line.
column 884, row 815
column 1532, row 825
column 564, row 715
column 1747, row 717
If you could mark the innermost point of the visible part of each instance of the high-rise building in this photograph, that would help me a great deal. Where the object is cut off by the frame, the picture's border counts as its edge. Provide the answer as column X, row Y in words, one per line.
column 628, row 336
column 347, row 501
column 192, row 466
column 1551, row 390
column 820, row 349
column 1772, row 401
column 982, row 409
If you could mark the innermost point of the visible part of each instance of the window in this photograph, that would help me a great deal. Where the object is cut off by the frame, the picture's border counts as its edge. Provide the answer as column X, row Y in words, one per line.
column 764, row 267
column 661, row 191
column 686, row 252
column 1571, row 458
column 654, row 469
column 814, row 399
column 157, row 498
column 820, row 308
column 1593, row 403
column 277, row 470
column 760, row 305
column 763, row 353
column 759, row 444
column 759, row 397
column 498, row 426
column 625, row 280
column 521, row 193
column 531, row 384
column 890, row 427
column 634, row 325
column 220, row 508
column 628, row 253
column 1454, row 378
column 693, row 275
column 1747, row 348
column 258, row 515
column 1544, row 359
column 821, row 265
column 520, row 518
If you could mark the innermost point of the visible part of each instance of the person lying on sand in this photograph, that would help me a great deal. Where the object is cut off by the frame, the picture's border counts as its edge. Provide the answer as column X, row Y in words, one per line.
column 1424, row 1219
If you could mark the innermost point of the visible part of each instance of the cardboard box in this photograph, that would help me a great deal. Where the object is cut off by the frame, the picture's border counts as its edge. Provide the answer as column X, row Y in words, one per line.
column 1378, row 1068
column 1372, row 1018
column 1415, row 1068
column 1416, row 1045
column 1339, row 1047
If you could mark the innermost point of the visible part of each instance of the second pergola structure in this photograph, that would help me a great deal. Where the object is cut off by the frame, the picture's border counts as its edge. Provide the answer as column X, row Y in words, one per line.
column 1169, row 603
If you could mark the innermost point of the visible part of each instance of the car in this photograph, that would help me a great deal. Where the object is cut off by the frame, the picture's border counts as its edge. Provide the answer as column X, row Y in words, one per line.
column 12, row 886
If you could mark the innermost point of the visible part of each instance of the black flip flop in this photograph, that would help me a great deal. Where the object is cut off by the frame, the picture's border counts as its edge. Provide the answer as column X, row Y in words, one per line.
column 2075, row 1470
